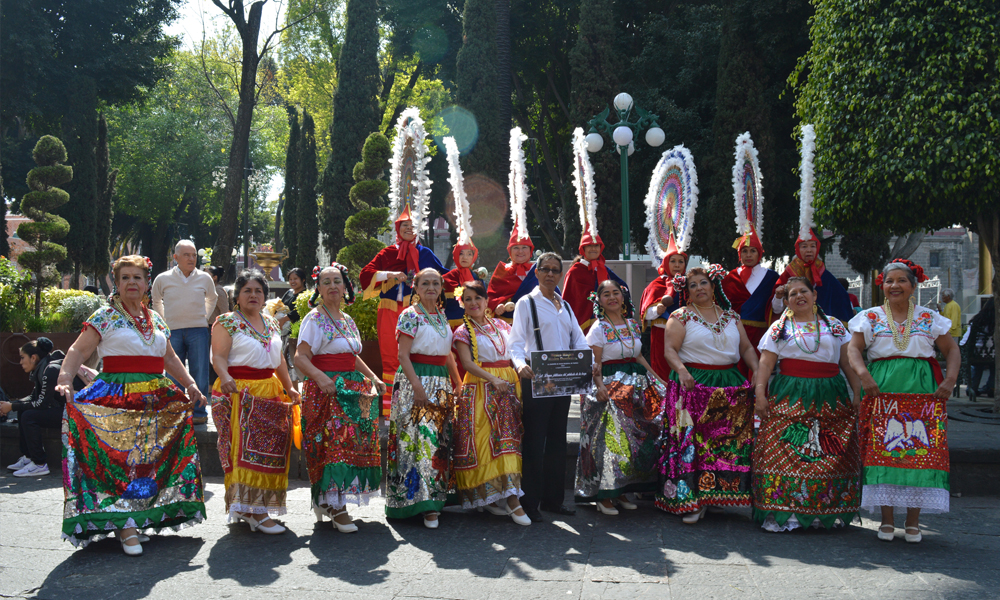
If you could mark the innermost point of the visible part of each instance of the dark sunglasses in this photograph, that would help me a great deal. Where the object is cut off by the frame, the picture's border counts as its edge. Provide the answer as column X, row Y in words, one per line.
column 544, row 270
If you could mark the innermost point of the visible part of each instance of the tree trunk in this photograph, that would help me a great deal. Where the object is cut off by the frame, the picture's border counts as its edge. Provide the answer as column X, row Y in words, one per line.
column 74, row 281
column 229, row 224
column 278, row 246
column 906, row 245
column 989, row 229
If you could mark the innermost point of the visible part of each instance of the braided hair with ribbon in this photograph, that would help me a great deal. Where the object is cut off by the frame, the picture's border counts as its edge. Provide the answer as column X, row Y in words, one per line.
column 787, row 313
column 716, row 273
column 349, row 295
column 628, row 311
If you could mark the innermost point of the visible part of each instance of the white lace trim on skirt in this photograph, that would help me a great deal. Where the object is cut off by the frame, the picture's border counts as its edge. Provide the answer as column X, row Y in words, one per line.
column 929, row 500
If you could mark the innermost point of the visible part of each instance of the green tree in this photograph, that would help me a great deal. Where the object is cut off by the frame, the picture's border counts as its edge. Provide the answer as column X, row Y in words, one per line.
column 80, row 133
column 4, row 242
column 104, row 211
column 368, row 196
column 290, row 232
column 45, row 196
column 356, row 113
column 476, row 80
column 905, row 98
column 596, row 69
column 307, row 225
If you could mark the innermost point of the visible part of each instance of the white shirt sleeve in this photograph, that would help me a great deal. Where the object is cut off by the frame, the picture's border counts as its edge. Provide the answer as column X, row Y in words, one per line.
column 577, row 341
column 519, row 334
column 158, row 296
column 777, row 305
column 211, row 296
column 652, row 314
column 595, row 337
column 381, row 275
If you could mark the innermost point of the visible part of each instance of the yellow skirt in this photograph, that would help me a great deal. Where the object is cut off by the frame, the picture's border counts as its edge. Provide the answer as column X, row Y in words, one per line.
column 255, row 440
column 487, row 457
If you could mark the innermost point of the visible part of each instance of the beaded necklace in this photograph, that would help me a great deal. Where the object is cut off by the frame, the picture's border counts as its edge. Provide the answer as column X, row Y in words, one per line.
column 438, row 323
column 718, row 329
column 799, row 333
column 263, row 337
column 345, row 333
column 614, row 329
column 502, row 347
column 900, row 338
column 143, row 325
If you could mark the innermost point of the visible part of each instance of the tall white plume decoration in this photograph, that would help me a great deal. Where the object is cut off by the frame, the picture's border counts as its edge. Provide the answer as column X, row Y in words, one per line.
column 583, row 180
column 517, row 183
column 463, row 221
column 410, row 127
column 680, row 158
column 807, row 181
column 745, row 151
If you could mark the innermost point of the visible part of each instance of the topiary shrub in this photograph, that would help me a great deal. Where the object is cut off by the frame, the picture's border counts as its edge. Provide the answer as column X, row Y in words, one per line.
column 367, row 196
column 44, row 197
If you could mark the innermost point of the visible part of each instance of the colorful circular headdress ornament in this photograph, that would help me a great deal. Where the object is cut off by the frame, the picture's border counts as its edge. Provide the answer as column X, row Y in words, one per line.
column 748, row 192
column 671, row 202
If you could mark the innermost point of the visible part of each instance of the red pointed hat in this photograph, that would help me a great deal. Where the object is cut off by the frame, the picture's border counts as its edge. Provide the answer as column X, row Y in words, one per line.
column 407, row 249
column 465, row 273
column 588, row 240
column 664, row 268
column 812, row 238
column 749, row 239
column 518, row 241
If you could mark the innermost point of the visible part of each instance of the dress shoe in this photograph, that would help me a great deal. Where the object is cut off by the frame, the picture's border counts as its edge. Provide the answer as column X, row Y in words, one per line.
column 560, row 510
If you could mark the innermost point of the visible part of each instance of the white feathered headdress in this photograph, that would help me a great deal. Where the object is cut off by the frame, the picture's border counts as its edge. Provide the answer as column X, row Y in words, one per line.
column 409, row 183
column 807, row 176
column 463, row 220
column 583, row 180
column 518, row 187
column 748, row 192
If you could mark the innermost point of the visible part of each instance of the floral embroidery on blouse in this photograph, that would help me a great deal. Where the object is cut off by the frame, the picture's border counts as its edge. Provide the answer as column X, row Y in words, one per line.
column 234, row 324
column 107, row 319
column 334, row 330
column 836, row 328
column 923, row 321
column 632, row 331
column 410, row 321
column 683, row 315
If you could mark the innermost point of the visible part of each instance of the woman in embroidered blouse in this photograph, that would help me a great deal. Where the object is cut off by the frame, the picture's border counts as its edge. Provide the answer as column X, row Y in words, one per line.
column 807, row 456
column 704, row 342
column 340, row 404
column 487, row 449
column 901, row 361
column 620, row 424
column 246, row 353
column 419, row 468
column 117, row 485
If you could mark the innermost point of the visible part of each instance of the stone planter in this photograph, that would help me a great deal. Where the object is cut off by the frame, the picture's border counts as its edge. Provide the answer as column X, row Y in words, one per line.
column 15, row 381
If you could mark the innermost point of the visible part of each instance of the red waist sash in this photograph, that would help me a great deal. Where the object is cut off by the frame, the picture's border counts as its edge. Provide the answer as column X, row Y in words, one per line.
column 709, row 367
column 795, row 367
column 427, row 359
column 133, row 364
column 250, row 373
column 935, row 365
column 500, row 364
column 618, row 361
column 341, row 362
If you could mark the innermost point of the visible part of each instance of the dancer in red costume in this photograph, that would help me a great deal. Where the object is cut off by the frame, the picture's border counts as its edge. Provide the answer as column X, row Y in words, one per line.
column 514, row 279
column 662, row 296
column 388, row 276
column 465, row 252
column 748, row 288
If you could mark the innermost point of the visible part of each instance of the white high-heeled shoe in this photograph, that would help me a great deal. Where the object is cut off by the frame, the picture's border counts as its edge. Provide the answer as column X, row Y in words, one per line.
column 886, row 536
column 913, row 538
column 330, row 513
column 519, row 519
column 496, row 510
column 135, row 550
column 692, row 518
column 432, row 524
column 626, row 504
column 255, row 525
column 604, row 510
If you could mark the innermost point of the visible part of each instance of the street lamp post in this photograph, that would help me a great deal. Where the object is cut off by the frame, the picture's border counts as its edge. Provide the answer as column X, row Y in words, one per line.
column 623, row 133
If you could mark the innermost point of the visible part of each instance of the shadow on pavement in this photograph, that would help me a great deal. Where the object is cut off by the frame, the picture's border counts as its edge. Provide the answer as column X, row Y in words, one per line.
column 250, row 558
column 360, row 558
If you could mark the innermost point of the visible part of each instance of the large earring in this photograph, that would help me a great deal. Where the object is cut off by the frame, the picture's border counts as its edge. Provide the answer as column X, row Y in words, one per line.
column 815, row 308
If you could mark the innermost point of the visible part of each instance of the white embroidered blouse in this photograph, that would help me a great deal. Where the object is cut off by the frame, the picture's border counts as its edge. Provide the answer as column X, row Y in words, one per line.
column 927, row 327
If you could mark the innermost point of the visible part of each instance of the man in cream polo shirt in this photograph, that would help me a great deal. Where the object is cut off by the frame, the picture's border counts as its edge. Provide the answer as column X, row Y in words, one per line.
column 185, row 296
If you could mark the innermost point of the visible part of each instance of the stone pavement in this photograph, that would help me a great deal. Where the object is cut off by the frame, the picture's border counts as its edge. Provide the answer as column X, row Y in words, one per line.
column 636, row 555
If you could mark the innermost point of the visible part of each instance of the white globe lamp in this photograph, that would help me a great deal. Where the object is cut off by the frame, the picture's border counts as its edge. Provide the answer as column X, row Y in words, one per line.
column 655, row 137
column 623, row 101
column 595, row 142
column 622, row 136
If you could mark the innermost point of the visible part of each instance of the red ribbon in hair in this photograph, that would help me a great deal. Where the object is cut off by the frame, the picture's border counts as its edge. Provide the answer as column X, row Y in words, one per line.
column 918, row 271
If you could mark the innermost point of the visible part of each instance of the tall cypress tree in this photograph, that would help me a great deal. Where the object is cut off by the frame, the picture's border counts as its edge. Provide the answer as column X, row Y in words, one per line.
column 595, row 71
column 104, row 213
column 355, row 114
column 476, row 79
column 306, row 211
column 289, row 215
column 4, row 244
column 80, row 133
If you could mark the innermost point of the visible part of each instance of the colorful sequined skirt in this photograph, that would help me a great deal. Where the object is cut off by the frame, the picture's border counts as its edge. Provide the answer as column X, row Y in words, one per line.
column 488, row 430
column 904, row 440
column 807, row 456
column 705, row 447
column 418, row 472
column 618, row 438
column 255, row 442
column 129, row 458
column 340, row 440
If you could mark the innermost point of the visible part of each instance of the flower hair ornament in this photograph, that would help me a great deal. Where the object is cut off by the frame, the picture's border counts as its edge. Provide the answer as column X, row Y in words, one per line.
column 716, row 273
column 316, row 272
column 349, row 296
column 916, row 269
column 598, row 310
column 680, row 288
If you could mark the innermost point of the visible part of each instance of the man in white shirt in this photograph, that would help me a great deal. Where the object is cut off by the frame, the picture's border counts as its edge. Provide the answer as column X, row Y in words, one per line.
column 544, row 443
column 185, row 297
